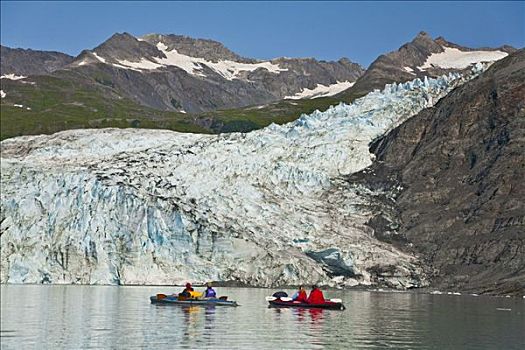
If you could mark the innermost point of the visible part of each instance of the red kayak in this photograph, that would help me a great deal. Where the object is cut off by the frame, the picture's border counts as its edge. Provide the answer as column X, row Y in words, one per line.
column 277, row 302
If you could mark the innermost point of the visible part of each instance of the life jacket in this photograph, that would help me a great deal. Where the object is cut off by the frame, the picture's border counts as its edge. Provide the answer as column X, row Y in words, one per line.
column 316, row 297
column 194, row 294
column 188, row 293
column 185, row 293
column 210, row 293
column 301, row 296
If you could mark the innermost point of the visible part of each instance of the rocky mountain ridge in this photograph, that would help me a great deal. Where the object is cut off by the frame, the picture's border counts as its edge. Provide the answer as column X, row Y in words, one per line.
column 22, row 62
column 421, row 57
column 178, row 73
column 156, row 81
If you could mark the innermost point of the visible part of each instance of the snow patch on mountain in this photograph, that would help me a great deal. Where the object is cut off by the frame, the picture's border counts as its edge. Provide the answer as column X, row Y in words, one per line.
column 458, row 59
column 194, row 65
column 92, row 57
column 142, row 64
column 21, row 106
column 101, row 59
column 266, row 208
column 2, row 94
column 191, row 65
column 12, row 76
column 322, row 90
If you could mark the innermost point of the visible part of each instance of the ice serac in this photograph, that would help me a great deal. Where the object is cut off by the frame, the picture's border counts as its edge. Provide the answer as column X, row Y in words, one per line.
column 265, row 208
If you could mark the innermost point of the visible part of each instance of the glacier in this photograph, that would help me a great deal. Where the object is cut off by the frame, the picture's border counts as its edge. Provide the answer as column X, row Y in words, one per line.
column 265, row 208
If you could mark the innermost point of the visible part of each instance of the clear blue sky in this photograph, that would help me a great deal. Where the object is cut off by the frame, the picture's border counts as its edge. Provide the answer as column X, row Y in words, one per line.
column 324, row 30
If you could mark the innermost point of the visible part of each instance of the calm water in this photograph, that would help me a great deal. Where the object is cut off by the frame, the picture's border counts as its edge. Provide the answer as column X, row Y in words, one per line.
column 91, row 317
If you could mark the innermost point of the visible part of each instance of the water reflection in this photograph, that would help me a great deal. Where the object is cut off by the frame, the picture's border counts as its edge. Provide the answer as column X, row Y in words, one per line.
column 316, row 315
column 69, row 317
column 209, row 317
column 300, row 315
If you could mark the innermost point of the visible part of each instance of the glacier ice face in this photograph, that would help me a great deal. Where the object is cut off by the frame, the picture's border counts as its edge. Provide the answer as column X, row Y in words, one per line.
column 126, row 206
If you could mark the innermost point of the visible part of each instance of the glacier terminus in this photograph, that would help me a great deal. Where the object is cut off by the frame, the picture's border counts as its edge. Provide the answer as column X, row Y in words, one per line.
column 265, row 208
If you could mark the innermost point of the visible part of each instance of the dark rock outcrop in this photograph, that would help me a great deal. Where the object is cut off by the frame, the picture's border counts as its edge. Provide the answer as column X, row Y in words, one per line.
column 31, row 62
column 456, row 172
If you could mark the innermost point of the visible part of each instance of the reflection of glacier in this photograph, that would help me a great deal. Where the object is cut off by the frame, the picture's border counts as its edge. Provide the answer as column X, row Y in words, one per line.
column 158, row 207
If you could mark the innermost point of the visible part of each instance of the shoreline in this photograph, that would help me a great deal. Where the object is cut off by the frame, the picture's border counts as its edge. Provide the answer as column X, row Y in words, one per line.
column 370, row 289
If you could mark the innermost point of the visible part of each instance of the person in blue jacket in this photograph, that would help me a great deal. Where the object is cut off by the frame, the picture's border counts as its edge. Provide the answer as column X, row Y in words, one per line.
column 209, row 292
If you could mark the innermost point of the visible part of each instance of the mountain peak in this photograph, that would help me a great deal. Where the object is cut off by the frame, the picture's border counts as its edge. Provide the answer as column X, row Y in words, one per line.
column 120, row 39
column 424, row 40
column 208, row 49
column 123, row 35
column 423, row 56
column 124, row 46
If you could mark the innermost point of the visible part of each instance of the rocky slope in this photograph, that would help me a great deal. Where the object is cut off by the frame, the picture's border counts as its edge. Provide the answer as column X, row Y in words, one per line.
column 158, row 80
column 265, row 208
column 178, row 73
column 421, row 57
column 22, row 62
column 173, row 72
column 454, row 177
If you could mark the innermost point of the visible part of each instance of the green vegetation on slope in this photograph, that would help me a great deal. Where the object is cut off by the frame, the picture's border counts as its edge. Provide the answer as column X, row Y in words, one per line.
column 47, row 104
column 57, row 104
column 251, row 118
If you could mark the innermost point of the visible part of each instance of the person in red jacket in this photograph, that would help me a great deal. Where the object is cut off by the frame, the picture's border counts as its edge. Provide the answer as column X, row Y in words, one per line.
column 316, row 296
column 300, row 295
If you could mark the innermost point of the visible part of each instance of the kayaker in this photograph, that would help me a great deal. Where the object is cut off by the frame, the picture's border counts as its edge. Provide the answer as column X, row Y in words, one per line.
column 316, row 296
column 210, row 292
column 186, row 293
column 300, row 295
